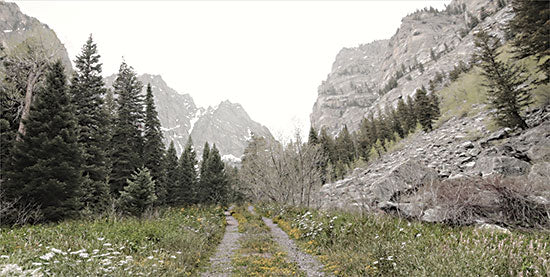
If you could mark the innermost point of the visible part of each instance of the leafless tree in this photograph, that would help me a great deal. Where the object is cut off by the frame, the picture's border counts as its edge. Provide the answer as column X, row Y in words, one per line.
column 286, row 174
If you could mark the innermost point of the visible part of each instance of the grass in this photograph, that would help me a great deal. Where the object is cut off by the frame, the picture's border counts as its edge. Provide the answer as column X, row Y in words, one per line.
column 259, row 255
column 463, row 97
column 177, row 242
column 374, row 245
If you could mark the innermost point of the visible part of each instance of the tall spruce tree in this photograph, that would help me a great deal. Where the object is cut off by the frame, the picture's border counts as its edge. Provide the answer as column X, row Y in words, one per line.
column 172, row 175
column 202, row 192
column 506, row 89
column 530, row 30
column 312, row 138
column 87, row 92
column 188, row 183
column 344, row 146
column 411, row 114
column 153, row 149
column 215, row 181
column 139, row 194
column 424, row 109
column 127, row 141
column 46, row 162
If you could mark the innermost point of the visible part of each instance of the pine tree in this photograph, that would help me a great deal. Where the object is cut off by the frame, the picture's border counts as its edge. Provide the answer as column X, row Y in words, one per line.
column 411, row 114
column 434, row 106
column 402, row 114
column 395, row 123
column 344, row 146
column 506, row 89
column 530, row 29
column 313, row 139
column 363, row 142
column 187, row 185
column 139, row 195
column 202, row 192
column 328, row 146
column 153, row 149
column 215, row 182
column 46, row 162
column 127, row 142
column 424, row 110
column 87, row 89
column 172, row 175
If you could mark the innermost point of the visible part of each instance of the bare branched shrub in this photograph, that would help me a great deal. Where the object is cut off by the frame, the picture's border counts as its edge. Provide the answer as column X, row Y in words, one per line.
column 15, row 213
column 495, row 200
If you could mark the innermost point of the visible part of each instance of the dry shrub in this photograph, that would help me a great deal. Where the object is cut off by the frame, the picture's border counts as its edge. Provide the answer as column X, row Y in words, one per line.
column 507, row 202
column 13, row 212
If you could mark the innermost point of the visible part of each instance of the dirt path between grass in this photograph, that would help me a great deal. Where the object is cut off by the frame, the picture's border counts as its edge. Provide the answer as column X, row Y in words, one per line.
column 221, row 261
column 307, row 263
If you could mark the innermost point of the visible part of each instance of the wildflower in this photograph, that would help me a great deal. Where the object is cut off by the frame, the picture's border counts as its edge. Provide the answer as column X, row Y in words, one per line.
column 37, row 264
column 57, row 251
column 5, row 257
column 150, row 257
column 173, row 257
column 47, row 256
column 10, row 268
column 107, row 244
column 390, row 258
column 418, row 235
column 400, row 229
column 83, row 255
column 100, row 239
column 179, row 252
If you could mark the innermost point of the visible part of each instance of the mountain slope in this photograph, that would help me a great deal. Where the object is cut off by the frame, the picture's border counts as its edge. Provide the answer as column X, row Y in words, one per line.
column 427, row 42
column 227, row 125
column 16, row 27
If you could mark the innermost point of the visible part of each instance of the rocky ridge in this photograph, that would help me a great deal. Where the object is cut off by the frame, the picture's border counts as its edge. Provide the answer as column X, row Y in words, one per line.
column 461, row 149
column 227, row 124
column 360, row 75
column 16, row 27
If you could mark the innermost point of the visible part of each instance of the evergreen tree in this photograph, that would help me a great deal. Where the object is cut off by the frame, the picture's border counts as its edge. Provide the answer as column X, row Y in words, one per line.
column 530, row 29
column 153, row 149
column 87, row 89
column 313, row 139
column 127, row 142
column 215, row 182
column 327, row 144
column 402, row 114
column 424, row 110
column 139, row 194
column 411, row 114
column 46, row 162
column 434, row 106
column 395, row 123
column 172, row 175
column 344, row 146
column 363, row 142
column 187, row 185
column 506, row 89
column 202, row 192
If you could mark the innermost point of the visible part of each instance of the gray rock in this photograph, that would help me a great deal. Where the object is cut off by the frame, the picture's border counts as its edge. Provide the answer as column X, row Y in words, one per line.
column 502, row 165
column 467, row 145
column 540, row 174
column 493, row 228
column 435, row 214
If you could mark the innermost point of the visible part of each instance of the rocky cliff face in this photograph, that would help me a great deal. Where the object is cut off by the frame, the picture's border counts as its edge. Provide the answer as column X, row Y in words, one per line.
column 444, row 175
column 427, row 42
column 227, row 124
column 16, row 27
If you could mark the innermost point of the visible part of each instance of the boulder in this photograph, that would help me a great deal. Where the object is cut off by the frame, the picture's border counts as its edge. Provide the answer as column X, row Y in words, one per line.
column 502, row 165
column 400, row 179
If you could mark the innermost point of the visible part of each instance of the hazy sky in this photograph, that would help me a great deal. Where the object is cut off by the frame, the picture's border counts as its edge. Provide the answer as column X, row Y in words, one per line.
column 269, row 56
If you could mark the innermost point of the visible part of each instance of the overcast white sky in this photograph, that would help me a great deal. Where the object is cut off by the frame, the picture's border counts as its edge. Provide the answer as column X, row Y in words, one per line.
column 269, row 56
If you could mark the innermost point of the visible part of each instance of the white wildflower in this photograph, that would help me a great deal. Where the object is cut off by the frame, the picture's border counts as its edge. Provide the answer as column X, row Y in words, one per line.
column 150, row 257
column 47, row 256
column 10, row 268
column 83, row 255
column 107, row 244
column 5, row 257
column 100, row 239
column 37, row 264
column 418, row 235
column 173, row 257
column 57, row 251
column 390, row 258
column 179, row 252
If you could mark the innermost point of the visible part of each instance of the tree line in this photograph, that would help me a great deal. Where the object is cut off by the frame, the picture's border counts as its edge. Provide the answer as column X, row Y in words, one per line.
column 81, row 148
